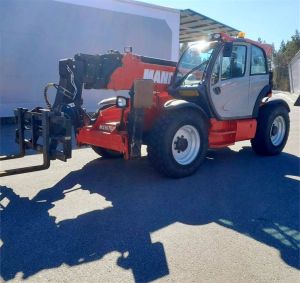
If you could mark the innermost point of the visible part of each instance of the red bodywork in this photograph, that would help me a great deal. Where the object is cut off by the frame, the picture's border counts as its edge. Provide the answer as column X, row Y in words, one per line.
column 103, row 132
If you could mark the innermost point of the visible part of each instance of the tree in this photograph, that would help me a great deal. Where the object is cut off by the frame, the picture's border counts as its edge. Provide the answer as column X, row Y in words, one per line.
column 282, row 58
column 260, row 40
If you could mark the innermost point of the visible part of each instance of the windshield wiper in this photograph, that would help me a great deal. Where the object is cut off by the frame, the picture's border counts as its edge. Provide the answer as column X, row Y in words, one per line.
column 188, row 73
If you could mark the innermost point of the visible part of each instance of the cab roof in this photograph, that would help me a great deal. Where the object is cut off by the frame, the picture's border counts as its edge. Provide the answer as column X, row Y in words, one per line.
column 268, row 48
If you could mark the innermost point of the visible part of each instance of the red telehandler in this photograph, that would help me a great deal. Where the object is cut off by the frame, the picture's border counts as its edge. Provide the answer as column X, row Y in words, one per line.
column 219, row 93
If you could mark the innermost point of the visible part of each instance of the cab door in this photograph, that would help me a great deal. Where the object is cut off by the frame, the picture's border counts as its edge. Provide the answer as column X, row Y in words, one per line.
column 229, row 83
column 259, row 74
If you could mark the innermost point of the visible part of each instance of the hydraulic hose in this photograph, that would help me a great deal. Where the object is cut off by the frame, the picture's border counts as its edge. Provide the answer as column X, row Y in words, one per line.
column 45, row 94
column 57, row 87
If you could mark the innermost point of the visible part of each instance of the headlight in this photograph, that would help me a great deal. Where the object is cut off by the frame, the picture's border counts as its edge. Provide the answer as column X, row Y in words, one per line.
column 122, row 102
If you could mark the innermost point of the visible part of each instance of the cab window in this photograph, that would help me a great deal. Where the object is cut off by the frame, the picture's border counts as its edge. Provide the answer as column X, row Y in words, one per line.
column 258, row 61
column 193, row 63
column 234, row 66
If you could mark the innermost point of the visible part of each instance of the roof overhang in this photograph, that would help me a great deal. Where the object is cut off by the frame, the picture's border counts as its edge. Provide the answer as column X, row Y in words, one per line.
column 195, row 26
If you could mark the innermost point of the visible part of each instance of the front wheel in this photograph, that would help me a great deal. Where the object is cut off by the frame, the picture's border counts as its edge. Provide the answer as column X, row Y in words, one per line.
column 178, row 143
column 272, row 132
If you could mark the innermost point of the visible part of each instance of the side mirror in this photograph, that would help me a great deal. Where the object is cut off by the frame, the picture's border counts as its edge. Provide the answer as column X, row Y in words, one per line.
column 227, row 50
column 122, row 102
column 271, row 79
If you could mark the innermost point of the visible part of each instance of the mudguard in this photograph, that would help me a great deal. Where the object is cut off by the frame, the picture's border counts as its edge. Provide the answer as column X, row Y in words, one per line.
column 273, row 102
column 175, row 104
column 264, row 93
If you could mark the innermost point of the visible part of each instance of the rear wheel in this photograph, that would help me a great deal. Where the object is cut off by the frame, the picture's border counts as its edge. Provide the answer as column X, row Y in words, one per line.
column 272, row 132
column 178, row 143
column 106, row 153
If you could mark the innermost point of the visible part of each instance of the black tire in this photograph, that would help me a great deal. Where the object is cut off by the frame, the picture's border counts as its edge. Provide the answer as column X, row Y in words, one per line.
column 161, row 142
column 262, row 143
column 106, row 153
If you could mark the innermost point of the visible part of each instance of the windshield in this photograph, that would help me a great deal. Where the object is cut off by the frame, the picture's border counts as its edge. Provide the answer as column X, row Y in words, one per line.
column 193, row 63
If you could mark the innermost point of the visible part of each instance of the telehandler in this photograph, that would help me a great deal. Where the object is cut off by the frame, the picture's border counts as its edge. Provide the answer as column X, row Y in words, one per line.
column 218, row 94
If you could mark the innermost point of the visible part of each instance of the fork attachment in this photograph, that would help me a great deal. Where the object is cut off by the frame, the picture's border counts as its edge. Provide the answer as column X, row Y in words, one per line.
column 49, row 133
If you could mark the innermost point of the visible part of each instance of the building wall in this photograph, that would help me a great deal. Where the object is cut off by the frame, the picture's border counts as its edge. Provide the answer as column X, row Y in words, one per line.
column 294, row 73
column 35, row 34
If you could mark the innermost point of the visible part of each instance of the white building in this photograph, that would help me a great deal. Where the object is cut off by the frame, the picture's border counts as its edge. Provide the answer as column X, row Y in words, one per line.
column 294, row 73
column 34, row 35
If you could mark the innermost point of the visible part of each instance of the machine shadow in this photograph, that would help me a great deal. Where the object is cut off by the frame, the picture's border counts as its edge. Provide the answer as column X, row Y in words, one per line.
column 258, row 197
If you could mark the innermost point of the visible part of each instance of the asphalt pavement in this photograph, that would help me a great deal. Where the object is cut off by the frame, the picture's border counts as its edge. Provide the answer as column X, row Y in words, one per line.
column 100, row 220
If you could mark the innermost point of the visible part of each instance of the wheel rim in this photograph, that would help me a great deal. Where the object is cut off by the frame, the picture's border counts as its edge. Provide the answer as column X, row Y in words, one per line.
column 278, row 130
column 186, row 145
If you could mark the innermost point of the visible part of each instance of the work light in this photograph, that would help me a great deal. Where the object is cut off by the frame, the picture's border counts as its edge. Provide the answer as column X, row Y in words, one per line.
column 122, row 102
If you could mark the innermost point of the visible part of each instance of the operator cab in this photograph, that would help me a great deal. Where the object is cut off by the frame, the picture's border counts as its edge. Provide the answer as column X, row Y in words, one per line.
column 227, row 77
column 193, row 63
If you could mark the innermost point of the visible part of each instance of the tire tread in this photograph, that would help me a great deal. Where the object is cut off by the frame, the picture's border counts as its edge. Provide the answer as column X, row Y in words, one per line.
column 157, row 145
column 261, row 143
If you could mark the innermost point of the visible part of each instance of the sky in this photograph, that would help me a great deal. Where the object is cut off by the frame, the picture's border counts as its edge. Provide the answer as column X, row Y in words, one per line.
column 271, row 20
